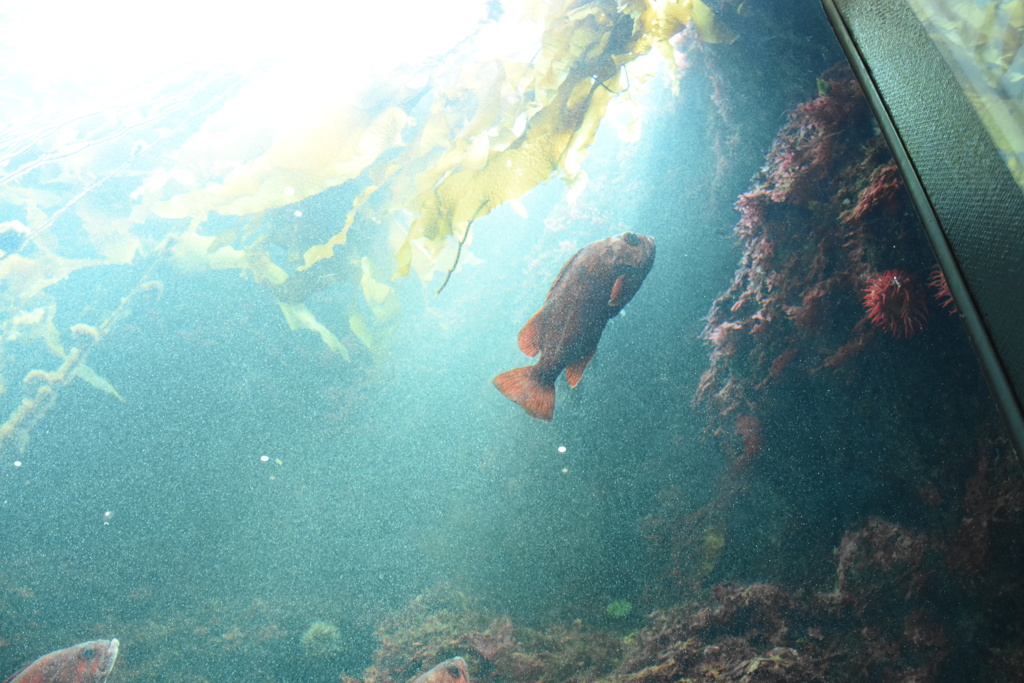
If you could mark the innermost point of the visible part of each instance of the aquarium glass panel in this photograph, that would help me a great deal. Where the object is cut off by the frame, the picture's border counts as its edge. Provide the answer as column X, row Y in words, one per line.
column 981, row 42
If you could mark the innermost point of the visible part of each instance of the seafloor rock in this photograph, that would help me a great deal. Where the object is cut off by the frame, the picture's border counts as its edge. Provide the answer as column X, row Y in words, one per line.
column 880, row 624
column 906, row 606
column 444, row 623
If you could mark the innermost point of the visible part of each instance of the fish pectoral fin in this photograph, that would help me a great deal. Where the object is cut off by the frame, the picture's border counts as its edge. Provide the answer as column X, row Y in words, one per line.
column 574, row 373
column 616, row 292
column 529, row 336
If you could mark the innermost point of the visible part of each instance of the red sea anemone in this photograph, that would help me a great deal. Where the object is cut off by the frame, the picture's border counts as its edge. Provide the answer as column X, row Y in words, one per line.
column 942, row 294
column 894, row 302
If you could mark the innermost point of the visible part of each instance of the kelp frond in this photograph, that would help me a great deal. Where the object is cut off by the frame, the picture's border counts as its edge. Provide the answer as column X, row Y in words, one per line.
column 421, row 157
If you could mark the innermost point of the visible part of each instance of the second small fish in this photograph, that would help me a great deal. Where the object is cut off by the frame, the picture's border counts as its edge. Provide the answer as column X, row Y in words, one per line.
column 89, row 662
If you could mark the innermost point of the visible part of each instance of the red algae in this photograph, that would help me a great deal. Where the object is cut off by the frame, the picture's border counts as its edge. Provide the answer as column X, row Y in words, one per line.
column 824, row 210
column 937, row 282
column 750, row 431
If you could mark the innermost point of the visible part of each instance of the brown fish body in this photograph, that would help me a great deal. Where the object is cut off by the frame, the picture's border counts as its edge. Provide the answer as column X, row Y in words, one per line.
column 452, row 670
column 592, row 287
column 89, row 662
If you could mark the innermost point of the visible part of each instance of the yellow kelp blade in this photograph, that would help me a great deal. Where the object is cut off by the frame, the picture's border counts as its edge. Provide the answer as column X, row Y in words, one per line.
column 110, row 235
column 710, row 28
column 36, row 323
column 502, row 127
column 494, row 119
column 25, row 277
column 319, row 252
column 193, row 251
column 555, row 139
column 382, row 299
column 373, row 336
column 299, row 317
column 318, row 141
column 357, row 323
column 83, row 371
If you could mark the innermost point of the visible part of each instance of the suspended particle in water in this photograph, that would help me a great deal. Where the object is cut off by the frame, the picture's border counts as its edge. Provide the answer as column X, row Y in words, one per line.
column 107, row 516
column 264, row 458
column 17, row 463
column 561, row 449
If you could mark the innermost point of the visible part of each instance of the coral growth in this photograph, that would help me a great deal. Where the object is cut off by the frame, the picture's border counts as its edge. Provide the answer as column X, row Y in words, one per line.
column 428, row 630
column 813, row 391
column 826, row 214
column 884, row 193
column 494, row 642
column 619, row 608
column 750, row 431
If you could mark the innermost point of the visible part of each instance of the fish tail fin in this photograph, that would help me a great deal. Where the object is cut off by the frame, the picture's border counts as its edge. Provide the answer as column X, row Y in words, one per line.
column 534, row 395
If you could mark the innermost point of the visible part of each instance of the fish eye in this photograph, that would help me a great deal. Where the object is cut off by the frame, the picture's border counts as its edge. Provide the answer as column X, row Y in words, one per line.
column 89, row 654
column 632, row 239
column 454, row 672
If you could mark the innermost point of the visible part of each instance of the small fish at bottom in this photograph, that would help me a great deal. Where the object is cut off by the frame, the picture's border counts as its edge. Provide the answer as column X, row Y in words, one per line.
column 89, row 662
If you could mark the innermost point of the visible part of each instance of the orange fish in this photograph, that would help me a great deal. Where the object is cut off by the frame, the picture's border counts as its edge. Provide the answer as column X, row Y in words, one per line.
column 592, row 287
column 83, row 663
column 452, row 670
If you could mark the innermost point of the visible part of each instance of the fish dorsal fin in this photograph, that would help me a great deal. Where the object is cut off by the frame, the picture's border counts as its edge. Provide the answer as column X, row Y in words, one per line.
column 616, row 291
column 563, row 270
column 574, row 373
column 529, row 336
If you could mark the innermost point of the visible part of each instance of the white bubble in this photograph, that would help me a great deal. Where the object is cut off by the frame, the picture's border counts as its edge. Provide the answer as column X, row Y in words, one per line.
column 264, row 458
column 298, row 214
column 561, row 449
column 17, row 463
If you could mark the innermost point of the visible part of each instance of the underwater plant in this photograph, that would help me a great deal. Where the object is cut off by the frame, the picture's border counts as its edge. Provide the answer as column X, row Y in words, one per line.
column 208, row 177
column 445, row 623
column 321, row 639
column 619, row 608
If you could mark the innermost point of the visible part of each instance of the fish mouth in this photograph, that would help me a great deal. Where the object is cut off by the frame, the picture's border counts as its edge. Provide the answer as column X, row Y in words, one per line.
column 108, row 663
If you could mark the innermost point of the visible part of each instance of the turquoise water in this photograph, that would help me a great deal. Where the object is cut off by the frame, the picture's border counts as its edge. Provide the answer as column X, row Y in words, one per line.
column 248, row 480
